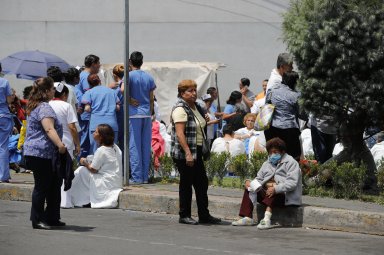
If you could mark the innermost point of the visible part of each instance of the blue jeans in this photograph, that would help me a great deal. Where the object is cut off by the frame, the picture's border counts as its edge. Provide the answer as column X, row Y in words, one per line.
column 6, row 125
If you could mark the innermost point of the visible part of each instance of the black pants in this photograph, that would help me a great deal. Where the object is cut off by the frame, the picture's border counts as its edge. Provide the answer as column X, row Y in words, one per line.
column 322, row 144
column 47, row 189
column 291, row 137
column 195, row 176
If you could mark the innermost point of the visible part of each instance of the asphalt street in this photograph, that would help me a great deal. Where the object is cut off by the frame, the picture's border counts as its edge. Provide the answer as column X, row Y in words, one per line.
column 116, row 231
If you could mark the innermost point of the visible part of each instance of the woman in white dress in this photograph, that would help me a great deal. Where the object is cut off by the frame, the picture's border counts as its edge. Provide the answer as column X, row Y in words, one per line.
column 99, row 180
column 253, row 140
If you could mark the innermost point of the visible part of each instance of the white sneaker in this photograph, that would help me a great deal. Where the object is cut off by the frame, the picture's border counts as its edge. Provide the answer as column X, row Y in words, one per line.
column 246, row 221
column 264, row 224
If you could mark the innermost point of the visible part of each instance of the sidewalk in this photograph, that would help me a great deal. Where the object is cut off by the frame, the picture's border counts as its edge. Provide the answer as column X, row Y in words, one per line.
column 320, row 213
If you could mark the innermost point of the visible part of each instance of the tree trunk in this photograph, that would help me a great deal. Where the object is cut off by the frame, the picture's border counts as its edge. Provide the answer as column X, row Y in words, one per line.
column 355, row 150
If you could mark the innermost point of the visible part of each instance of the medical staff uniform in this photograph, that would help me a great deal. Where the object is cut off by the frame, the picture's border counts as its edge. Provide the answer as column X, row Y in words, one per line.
column 82, row 87
column 6, row 125
column 103, row 102
column 140, row 125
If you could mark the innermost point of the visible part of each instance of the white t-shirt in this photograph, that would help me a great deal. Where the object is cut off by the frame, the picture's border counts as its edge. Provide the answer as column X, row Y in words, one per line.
column 234, row 146
column 66, row 115
column 274, row 80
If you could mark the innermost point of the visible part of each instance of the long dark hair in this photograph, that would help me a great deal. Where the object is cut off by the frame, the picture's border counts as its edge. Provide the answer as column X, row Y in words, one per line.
column 39, row 93
column 235, row 95
column 106, row 133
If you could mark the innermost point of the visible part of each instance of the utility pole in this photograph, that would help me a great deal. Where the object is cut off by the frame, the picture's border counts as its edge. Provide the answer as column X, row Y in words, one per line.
column 126, row 95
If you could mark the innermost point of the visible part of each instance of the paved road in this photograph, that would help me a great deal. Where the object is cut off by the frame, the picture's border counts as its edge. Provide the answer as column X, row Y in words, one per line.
column 92, row 231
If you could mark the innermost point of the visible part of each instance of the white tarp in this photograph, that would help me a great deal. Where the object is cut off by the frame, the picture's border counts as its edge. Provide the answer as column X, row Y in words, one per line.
column 168, row 74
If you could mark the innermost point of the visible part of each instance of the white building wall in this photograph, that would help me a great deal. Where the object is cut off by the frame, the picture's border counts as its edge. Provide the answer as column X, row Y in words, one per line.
column 244, row 35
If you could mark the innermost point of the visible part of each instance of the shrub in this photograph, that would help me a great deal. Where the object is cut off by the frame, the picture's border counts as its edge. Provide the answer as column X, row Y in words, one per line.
column 380, row 176
column 240, row 166
column 166, row 166
column 217, row 166
column 348, row 180
column 256, row 160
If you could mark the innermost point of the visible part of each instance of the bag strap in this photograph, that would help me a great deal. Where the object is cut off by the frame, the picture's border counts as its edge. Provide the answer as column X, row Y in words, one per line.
column 202, row 131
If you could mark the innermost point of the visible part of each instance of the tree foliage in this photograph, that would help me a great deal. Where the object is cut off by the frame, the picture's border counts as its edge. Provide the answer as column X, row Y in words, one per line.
column 338, row 47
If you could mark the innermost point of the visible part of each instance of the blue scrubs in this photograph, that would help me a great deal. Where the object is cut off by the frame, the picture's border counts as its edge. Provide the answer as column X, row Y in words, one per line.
column 81, row 88
column 6, row 125
column 103, row 102
column 140, row 125
column 120, row 119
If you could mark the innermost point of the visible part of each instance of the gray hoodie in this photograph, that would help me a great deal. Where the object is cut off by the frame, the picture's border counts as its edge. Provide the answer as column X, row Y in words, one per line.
column 287, row 176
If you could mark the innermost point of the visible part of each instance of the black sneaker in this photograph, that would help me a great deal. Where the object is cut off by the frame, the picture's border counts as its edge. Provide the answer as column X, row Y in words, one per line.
column 187, row 220
column 210, row 220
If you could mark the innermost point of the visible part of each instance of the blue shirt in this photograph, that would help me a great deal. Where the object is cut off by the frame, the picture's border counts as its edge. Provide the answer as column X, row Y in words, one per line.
column 83, row 84
column 103, row 102
column 82, row 87
column 213, row 110
column 5, row 90
column 286, row 106
column 37, row 142
column 228, row 110
column 140, row 86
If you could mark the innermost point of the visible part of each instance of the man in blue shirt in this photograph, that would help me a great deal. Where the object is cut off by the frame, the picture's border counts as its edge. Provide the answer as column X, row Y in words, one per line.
column 141, row 87
column 92, row 66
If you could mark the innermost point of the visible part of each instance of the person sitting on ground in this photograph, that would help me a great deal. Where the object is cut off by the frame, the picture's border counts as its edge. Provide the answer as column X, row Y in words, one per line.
column 228, row 143
column 378, row 150
column 278, row 183
column 99, row 180
column 249, row 136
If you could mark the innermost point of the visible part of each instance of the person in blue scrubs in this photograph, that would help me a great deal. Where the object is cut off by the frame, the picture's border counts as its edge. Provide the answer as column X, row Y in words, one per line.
column 6, row 125
column 118, row 87
column 92, row 66
column 141, row 87
column 102, row 103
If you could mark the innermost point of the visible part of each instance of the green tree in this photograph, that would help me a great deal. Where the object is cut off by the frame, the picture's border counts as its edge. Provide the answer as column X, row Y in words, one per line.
column 338, row 47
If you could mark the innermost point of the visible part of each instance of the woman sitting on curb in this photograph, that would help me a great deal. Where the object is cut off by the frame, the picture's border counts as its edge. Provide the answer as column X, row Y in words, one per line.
column 278, row 183
column 99, row 180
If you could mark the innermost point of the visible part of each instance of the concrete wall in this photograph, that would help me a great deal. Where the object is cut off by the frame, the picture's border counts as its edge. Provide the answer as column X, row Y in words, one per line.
column 244, row 35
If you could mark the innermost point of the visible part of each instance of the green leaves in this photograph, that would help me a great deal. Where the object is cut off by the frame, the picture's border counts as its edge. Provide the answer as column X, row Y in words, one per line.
column 339, row 49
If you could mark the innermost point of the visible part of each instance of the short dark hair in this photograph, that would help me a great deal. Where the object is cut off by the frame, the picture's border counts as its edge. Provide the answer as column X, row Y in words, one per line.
column 210, row 90
column 290, row 79
column 90, row 60
column 1, row 69
column 55, row 73
column 228, row 129
column 136, row 58
column 65, row 91
column 27, row 91
column 235, row 95
column 245, row 82
column 107, row 135
column 284, row 59
column 266, row 80
column 276, row 143
column 71, row 74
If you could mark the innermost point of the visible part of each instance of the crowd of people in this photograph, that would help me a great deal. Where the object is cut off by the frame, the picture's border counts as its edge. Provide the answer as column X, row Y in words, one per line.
column 71, row 115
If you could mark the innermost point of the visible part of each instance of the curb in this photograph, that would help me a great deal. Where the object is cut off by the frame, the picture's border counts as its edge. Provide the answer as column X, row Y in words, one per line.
column 139, row 199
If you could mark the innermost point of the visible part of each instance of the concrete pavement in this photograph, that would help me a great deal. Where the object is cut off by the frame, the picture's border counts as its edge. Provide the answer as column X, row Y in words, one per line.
column 320, row 213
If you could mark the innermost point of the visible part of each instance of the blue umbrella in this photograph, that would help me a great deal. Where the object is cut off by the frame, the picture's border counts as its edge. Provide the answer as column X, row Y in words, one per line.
column 31, row 64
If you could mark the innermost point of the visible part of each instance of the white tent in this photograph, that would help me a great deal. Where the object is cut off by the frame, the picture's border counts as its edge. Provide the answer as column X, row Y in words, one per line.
column 168, row 74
